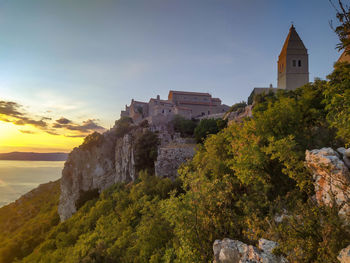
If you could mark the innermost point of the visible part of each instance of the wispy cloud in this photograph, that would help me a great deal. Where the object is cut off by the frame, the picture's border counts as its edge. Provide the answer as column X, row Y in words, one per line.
column 13, row 112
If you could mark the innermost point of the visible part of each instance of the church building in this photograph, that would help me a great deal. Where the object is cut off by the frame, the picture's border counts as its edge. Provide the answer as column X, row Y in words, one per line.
column 292, row 66
column 293, row 63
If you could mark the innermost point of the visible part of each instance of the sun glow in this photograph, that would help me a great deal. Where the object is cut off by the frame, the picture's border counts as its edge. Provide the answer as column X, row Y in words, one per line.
column 27, row 138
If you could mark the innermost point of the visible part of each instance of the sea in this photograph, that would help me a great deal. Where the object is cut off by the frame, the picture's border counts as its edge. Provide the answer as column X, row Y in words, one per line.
column 19, row 177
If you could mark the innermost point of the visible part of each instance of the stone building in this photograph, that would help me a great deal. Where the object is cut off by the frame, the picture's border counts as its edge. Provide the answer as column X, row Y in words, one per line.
column 293, row 63
column 187, row 104
column 292, row 66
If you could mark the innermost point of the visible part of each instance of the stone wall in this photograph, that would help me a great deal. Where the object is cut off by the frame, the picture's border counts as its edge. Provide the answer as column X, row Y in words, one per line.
column 171, row 157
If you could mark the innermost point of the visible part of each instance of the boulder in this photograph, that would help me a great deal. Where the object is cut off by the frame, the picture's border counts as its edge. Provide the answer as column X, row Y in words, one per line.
column 344, row 255
column 235, row 251
column 331, row 178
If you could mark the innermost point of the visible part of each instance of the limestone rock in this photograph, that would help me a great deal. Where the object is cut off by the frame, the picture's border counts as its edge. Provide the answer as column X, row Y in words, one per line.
column 86, row 169
column 124, row 159
column 344, row 255
column 109, row 159
column 171, row 157
column 239, row 115
column 235, row 251
column 331, row 178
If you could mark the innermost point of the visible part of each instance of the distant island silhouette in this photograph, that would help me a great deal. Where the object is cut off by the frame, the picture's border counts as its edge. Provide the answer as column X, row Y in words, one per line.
column 32, row 156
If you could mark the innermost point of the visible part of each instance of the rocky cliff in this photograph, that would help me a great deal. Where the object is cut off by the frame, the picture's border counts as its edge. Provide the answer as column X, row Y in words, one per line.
column 106, row 159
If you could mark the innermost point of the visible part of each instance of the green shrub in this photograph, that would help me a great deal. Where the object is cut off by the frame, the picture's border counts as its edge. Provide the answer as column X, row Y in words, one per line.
column 208, row 126
column 183, row 126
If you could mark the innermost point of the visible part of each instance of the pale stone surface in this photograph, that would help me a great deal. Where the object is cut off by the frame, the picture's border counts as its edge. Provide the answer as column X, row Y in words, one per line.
column 239, row 115
column 124, row 160
column 235, row 251
column 112, row 160
column 170, row 158
column 331, row 178
column 344, row 255
column 267, row 245
column 84, row 170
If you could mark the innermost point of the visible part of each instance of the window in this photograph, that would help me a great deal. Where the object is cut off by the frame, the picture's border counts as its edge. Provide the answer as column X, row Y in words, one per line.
column 294, row 63
column 299, row 63
column 208, row 112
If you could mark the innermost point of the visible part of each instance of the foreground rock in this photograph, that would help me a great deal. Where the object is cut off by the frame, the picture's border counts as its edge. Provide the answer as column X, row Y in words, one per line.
column 331, row 178
column 344, row 255
column 234, row 251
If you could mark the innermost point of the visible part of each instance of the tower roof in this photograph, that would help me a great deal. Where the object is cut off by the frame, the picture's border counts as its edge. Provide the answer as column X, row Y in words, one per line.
column 293, row 43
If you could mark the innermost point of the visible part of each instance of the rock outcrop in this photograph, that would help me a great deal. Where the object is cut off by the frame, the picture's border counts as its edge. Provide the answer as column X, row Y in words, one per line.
column 331, row 178
column 344, row 255
column 109, row 158
column 235, row 251
column 240, row 114
column 88, row 167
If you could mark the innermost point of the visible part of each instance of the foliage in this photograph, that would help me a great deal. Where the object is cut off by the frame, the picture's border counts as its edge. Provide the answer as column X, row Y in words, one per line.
column 123, row 126
column 337, row 99
column 183, row 126
column 343, row 28
column 240, row 175
column 25, row 223
column 146, row 151
column 240, row 179
column 208, row 126
column 92, row 140
column 312, row 233
column 124, row 225
column 238, row 106
column 85, row 196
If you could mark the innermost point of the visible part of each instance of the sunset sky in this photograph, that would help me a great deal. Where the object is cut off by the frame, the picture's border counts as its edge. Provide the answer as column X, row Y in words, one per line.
column 67, row 68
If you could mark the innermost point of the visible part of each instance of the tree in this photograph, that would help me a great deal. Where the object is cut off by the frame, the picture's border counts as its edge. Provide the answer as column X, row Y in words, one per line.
column 343, row 29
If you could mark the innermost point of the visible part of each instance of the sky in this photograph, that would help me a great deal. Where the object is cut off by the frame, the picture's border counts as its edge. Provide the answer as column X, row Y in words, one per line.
column 67, row 68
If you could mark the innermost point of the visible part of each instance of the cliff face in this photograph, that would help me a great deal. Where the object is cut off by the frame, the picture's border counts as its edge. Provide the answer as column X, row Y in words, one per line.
column 109, row 159
column 87, row 168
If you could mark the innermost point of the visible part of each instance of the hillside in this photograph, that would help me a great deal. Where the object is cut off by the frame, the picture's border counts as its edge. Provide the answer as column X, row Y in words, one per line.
column 25, row 223
column 248, row 181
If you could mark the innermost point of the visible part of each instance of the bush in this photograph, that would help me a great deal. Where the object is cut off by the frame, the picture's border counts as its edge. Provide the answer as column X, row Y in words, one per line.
column 146, row 151
column 208, row 126
column 183, row 126
column 123, row 126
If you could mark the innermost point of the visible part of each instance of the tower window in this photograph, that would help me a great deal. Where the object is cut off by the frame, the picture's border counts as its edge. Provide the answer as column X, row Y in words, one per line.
column 299, row 63
column 294, row 63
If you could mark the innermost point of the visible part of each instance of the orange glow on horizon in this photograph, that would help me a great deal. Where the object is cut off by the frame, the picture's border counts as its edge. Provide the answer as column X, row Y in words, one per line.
column 33, row 140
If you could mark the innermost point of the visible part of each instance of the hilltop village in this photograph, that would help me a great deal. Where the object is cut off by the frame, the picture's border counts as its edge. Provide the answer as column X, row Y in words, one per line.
column 293, row 72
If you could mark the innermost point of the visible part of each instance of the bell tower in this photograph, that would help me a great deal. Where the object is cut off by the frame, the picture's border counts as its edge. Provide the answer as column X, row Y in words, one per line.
column 293, row 63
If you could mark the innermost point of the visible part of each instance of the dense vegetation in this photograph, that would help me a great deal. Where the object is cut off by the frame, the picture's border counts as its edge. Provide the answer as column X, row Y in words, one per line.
column 240, row 179
column 25, row 223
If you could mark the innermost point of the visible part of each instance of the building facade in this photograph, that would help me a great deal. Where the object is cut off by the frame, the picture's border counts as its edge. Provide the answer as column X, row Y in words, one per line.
column 293, row 63
column 187, row 104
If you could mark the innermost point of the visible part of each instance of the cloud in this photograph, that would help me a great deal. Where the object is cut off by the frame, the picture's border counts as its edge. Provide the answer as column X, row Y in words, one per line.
column 13, row 112
column 27, row 132
column 85, row 128
column 63, row 120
